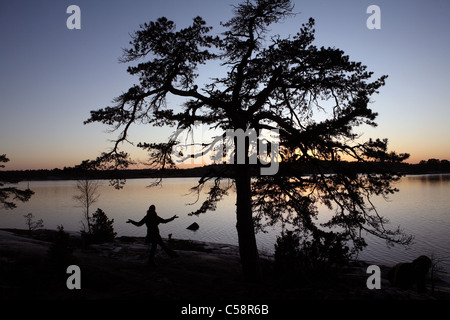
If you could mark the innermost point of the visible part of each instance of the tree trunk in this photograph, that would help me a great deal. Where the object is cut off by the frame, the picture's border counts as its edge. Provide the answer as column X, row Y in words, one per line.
column 246, row 233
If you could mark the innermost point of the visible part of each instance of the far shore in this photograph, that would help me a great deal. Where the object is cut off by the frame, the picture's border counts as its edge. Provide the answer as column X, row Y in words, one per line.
column 70, row 173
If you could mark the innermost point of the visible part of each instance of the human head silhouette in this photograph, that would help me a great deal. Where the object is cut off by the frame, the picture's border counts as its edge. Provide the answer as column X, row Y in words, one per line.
column 152, row 209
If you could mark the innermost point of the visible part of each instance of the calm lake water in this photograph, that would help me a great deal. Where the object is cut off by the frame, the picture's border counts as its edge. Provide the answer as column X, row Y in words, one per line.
column 421, row 208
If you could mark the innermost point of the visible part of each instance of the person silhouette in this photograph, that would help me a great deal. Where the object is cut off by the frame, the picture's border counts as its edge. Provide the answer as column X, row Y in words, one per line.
column 152, row 220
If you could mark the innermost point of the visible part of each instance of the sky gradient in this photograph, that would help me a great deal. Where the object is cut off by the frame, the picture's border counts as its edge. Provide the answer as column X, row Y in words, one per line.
column 51, row 77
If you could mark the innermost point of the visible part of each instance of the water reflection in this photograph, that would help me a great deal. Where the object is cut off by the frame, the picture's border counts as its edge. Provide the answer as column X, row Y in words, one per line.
column 429, row 178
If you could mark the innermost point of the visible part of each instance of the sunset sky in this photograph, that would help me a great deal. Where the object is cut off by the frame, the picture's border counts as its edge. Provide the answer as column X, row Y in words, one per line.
column 51, row 77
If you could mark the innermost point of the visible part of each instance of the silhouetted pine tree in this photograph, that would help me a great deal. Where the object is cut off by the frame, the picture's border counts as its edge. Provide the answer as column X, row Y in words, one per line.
column 313, row 96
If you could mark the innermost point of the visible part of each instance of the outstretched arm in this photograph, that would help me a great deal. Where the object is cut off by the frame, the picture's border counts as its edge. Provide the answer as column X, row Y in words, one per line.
column 137, row 224
column 161, row 220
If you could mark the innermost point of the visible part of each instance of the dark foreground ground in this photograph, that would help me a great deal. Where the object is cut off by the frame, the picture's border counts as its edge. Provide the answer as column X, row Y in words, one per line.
column 202, row 272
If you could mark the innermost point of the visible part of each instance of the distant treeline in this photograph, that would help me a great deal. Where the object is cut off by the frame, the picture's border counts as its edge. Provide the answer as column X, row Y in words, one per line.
column 69, row 173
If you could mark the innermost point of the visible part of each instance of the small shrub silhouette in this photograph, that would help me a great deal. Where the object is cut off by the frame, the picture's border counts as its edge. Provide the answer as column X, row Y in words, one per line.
column 294, row 253
column 287, row 252
column 102, row 229
column 32, row 224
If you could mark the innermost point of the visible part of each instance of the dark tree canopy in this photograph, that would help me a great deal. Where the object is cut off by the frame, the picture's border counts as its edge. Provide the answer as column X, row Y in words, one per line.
column 9, row 195
column 315, row 98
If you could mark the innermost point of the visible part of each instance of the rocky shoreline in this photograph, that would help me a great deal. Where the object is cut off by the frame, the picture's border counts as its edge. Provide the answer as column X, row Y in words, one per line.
column 202, row 271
